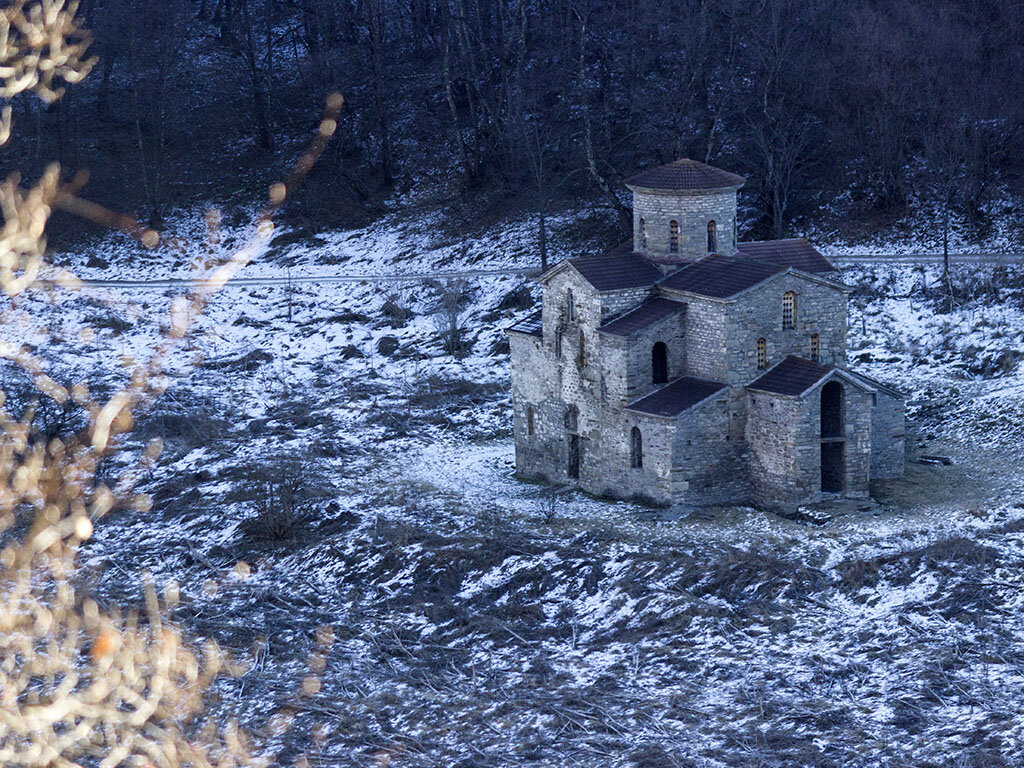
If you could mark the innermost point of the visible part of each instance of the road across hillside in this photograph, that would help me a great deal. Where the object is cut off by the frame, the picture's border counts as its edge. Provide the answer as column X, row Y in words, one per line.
column 285, row 280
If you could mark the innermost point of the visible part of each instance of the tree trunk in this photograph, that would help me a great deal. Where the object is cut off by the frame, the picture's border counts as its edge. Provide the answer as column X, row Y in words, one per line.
column 625, row 215
column 376, row 40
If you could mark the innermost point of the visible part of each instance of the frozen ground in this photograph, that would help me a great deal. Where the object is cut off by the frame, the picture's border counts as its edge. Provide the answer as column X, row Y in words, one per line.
column 481, row 621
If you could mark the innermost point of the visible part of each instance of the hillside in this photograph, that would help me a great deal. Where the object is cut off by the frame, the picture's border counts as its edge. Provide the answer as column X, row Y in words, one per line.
column 483, row 621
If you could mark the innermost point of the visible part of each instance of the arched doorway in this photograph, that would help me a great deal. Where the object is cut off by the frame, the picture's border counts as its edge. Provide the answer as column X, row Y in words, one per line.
column 659, row 363
column 833, row 459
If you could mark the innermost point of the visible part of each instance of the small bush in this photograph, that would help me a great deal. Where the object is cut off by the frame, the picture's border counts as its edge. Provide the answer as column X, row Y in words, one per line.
column 395, row 314
column 284, row 491
column 387, row 345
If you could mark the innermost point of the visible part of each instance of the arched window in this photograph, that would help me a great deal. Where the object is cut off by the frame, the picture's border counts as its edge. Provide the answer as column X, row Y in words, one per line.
column 712, row 237
column 788, row 310
column 558, row 345
column 636, row 449
column 529, row 420
column 673, row 236
column 570, row 306
column 659, row 363
column 582, row 359
column 572, row 416
column 643, row 234
column 762, row 354
column 815, row 348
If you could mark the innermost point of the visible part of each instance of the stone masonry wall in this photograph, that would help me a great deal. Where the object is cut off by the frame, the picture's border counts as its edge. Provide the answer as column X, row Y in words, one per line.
column 772, row 436
column 627, row 361
column 757, row 314
column 888, row 437
column 708, row 466
column 784, row 435
column 537, row 455
column 693, row 210
column 706, row 342
column 577, row 380
column 616, row 477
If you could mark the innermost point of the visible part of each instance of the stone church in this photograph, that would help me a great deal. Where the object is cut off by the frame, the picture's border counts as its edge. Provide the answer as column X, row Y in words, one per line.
column 688, row 368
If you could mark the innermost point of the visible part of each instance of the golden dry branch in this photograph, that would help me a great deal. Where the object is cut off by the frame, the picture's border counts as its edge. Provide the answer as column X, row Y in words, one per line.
column 78, row 681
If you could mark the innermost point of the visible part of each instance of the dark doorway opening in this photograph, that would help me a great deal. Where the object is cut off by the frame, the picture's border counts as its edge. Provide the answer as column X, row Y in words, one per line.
column 659, row 363
column 832, row 467
column 574, row 456
column 832, row 410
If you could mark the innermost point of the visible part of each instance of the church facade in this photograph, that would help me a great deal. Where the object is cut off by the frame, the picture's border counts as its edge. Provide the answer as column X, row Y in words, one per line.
column 688, row 368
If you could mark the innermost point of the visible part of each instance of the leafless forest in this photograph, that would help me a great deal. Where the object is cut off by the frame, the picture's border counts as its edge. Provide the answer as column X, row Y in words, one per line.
column 523, row 104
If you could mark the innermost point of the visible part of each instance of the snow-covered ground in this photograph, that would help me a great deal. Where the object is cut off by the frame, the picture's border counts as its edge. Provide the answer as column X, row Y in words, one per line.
column 484, row 621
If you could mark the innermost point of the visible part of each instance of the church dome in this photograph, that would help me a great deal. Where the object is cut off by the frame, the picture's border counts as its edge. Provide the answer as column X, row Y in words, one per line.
column 685, row 174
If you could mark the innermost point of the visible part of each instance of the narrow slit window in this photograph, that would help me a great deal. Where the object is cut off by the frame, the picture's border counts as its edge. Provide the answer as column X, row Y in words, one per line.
column 636, row 449
column 582, row 359
column 673, row 236
column 788, row 310
column 712, row 237
column 762, row 354
column 572, row 416
column 529, row 420
column 558, row 345
column 643, row 234
column 815, row 348
column 570, row 306
column 659, row 363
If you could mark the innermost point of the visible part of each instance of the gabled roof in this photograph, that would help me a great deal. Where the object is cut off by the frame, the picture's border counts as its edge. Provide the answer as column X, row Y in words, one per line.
column 720, row 276
column 878, row 385
column 796, row 253
column 649, row 312
column 676, row 396
column 531, row 325
column 795, row 376
column 685, row 174
column 611, row 271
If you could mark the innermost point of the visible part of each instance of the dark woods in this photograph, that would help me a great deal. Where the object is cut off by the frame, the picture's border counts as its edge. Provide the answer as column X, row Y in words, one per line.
column 519, row 104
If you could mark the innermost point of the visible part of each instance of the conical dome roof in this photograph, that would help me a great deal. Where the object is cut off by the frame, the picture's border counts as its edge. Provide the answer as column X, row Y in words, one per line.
column 685, row 174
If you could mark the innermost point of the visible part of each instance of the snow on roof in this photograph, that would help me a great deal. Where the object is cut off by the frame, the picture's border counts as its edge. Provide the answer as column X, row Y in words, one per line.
column 531, row 325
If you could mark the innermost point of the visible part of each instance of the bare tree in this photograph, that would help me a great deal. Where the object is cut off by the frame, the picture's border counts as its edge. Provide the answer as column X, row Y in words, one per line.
column 451, row 300
column 155, row 39
column 256, row 39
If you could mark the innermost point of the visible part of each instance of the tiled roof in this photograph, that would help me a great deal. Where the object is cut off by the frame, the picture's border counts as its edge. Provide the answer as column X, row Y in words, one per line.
column 720, row 276
column 878, row 385
column 676, row 396
column 647, row 313
column 531, row 325
column 685, row 174
column 613, row 272
column 796, row 253
column 793, row 376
